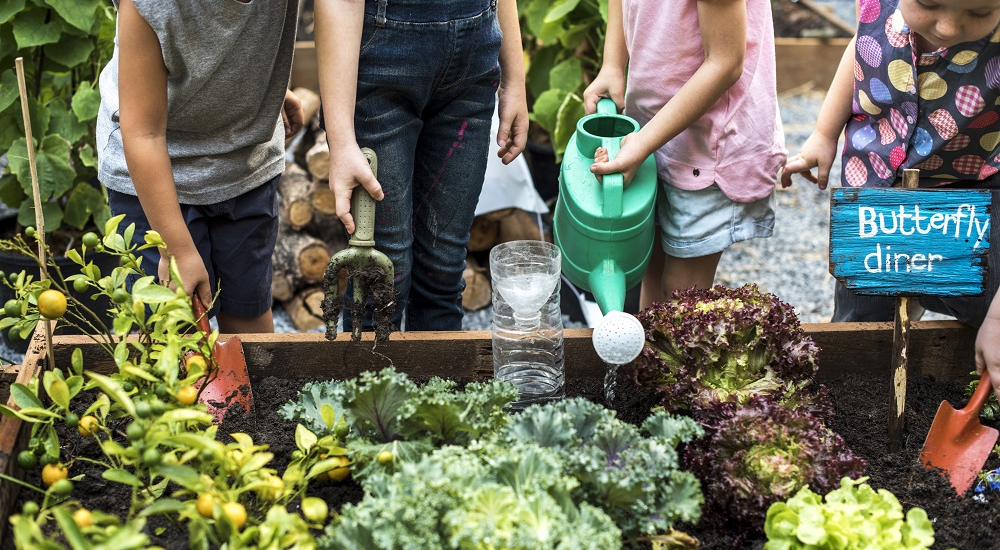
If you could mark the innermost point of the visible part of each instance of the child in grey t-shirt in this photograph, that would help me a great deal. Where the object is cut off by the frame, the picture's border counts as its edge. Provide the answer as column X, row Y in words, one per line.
column 195, row 108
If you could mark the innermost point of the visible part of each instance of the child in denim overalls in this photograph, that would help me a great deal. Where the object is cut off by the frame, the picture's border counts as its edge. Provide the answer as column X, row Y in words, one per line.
column 417, row 81
column 701, row 82
column 918, row 87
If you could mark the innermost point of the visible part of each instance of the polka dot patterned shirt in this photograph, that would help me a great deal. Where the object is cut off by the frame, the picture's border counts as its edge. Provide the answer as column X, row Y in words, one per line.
column 935, row 111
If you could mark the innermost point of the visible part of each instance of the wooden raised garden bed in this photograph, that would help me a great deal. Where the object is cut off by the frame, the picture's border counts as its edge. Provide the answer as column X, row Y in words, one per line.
column 854, row 363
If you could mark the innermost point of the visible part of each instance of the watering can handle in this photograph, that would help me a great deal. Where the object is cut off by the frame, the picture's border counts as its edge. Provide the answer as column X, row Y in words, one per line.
column 612, row 185
column 606, row 106
column 363, row 208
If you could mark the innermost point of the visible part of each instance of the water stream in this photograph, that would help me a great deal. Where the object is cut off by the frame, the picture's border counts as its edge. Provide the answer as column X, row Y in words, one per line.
column 610, row 384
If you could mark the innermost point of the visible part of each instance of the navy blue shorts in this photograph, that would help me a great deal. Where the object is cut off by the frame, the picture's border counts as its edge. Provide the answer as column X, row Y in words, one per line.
column 235, row 239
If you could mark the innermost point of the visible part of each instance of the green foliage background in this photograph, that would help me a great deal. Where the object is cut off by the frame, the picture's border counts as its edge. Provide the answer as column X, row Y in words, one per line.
column 65, row 44
column 564, row 48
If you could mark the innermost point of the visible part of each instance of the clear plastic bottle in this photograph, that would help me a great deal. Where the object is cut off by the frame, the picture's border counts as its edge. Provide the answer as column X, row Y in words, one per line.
column 529, row 355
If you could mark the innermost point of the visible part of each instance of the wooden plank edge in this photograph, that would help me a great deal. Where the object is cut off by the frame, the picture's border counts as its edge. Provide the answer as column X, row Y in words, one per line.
column 14, row 433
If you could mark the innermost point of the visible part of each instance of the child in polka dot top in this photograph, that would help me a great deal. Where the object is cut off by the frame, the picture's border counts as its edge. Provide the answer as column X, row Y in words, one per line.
column 918, row 87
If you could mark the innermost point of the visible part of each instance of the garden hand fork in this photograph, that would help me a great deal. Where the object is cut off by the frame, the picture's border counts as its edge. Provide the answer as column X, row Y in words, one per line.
column 369, row 269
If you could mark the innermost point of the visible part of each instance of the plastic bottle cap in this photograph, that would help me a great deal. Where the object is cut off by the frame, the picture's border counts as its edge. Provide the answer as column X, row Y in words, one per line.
column 619, row 338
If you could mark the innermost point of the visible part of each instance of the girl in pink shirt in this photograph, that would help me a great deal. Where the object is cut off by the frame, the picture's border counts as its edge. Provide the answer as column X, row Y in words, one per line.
column 701, row 83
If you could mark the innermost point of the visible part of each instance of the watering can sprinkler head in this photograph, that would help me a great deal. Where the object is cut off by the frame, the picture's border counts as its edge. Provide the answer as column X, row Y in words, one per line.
column 619, row 338
column 359, row 258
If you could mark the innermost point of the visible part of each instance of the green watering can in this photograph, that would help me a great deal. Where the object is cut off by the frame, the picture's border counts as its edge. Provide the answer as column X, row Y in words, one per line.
column 604, row 229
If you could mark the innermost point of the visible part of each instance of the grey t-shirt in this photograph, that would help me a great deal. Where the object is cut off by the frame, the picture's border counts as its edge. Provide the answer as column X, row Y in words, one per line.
column 228, row 65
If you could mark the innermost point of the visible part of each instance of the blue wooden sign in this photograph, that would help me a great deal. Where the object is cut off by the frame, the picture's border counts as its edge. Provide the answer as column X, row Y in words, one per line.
column 910, row 242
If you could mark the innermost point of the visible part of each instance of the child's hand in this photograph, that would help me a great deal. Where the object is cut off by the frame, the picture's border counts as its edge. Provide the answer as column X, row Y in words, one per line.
column 628, row 160
column 192, row 271
column 609, row 83
column 512, row 108
column 817, row 152
column 291, row 115
column 349, row 169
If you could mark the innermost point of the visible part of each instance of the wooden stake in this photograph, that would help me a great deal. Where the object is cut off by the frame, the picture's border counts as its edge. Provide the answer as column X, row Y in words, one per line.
column 39, row 217
column 900, row 350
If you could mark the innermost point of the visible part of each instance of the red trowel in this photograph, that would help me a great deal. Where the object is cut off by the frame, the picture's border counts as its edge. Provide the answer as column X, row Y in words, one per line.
column 230, row 384
column 957, row 444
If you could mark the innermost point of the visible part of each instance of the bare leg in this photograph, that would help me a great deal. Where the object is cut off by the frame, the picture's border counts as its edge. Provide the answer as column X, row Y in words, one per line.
column 683, row 273
column 652, row 286
column 229, row 324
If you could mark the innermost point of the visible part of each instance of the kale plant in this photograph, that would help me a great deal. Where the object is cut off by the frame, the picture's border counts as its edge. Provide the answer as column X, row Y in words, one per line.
column 636, row 480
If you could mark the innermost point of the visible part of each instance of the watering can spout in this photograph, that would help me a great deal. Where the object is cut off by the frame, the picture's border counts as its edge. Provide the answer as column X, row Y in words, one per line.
column 607, row 283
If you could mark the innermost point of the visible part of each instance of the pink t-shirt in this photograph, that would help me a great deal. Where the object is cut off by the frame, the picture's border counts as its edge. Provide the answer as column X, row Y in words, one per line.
column 738, row 143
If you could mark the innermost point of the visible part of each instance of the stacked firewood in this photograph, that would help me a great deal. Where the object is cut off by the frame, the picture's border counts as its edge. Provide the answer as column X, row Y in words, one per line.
column 310, row 233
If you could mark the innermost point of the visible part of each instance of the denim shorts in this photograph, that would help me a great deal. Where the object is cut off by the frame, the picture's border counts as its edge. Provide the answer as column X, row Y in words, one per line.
column 703, row 222
column 235, row 239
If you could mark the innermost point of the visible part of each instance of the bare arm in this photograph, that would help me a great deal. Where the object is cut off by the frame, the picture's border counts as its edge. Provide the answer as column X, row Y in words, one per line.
column 988, row 344
column 820, row 149
column 610, row 81
column 338, row 46
column 513, row 105
column 723, row 34
column 142, row 90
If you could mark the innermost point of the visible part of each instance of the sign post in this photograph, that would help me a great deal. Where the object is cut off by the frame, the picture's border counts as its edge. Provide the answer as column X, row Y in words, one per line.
column 908, row 242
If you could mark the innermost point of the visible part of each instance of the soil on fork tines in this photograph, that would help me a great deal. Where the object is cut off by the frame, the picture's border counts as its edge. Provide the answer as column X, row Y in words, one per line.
column 861, row 417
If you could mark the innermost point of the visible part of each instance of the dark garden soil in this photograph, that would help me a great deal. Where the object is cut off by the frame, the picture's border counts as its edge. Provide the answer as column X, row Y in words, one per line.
column 860, row 417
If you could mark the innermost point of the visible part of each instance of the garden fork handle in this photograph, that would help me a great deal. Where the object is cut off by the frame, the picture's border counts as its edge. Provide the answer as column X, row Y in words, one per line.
column 363, row 208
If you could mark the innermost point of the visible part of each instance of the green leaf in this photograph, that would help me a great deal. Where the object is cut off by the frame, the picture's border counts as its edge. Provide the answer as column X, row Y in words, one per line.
column 560, row 10
column 185, row 476
column 63, row 122
column 24, row 397
column 84, row 202
column 567, row 75
column 9, row 9
column 70, row 530
column 30, row 29
column 86, row 102
column 10, row 126
column 51, row 212
column 546, row 109
column 570, row 112
column 124, row 477
column 59, row 392
column 80, row 13
column 8, row 88
column 163, row 506
column 70, row 50
column 114, row 391
column 304, row 439
column 154, row 294
column 10, row 191
column 328, row 415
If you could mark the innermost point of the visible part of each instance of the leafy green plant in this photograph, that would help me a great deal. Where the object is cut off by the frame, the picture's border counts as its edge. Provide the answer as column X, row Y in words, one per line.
column 720, row 345
column 991, row 408
column 759, row 453
column 144, row 418
column 387, row 419
column 65, row 45
column 564, row 46
column 854, row 516
column 633, row 474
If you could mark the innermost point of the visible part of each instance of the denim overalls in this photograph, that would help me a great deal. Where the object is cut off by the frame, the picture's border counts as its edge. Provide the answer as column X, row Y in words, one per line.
column 427, row 81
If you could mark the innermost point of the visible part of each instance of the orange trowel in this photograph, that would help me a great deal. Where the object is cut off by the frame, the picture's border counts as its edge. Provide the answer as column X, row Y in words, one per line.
column 229, row 385
column 957, row 444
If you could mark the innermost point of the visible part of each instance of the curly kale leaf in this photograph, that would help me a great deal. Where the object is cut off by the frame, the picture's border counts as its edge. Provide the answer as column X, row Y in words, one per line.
column 452, row 417
column 307, row 407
